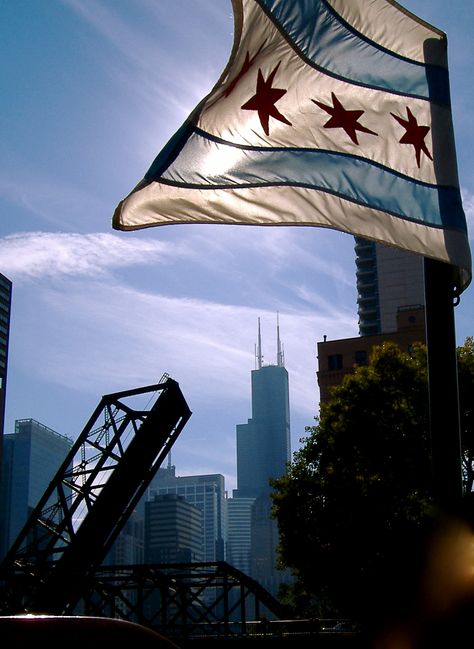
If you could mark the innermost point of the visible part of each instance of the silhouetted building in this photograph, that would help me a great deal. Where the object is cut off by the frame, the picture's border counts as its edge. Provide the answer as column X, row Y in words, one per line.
column 391, row 307
column 207, row 493
column 128, row 547
column 264, row 545
column 336, row 358
column 173, row 530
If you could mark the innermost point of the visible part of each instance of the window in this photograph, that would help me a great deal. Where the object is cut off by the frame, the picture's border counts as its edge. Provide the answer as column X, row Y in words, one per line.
column 335, row 362
column 361, row 357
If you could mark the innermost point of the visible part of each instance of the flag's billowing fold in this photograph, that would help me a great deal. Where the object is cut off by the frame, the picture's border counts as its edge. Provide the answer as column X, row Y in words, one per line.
column 332, row 113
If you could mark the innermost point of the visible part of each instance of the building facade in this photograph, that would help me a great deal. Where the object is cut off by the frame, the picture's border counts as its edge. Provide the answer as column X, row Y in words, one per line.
column 263, row 453
column 239, row 533
column 173, row 530
column 263, row 443
column 207, row 493
column 387, row 279
column 32, row 457
column 336, row 358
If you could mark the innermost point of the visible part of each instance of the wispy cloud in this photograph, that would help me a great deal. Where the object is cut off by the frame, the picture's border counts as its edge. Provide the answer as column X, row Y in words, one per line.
column 468, row 200
column 183, row 79
column 97, row 337
column 53, row 254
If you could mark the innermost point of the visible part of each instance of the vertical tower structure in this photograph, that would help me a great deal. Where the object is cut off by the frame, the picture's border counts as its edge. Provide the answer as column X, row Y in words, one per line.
column 5, row 311
column 387, row 279
column 263, row 443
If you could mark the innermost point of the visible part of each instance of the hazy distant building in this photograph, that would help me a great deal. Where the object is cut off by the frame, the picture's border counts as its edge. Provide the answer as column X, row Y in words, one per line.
column 239, row 533
column 207, row 493
column 263, row 453
column 128, row 547
column 32, row 456
column 263, row 443
column 387, row 279
column 264, row 547
column 173, row 530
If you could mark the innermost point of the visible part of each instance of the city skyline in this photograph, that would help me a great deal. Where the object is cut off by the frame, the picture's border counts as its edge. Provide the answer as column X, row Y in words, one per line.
column 92, row 92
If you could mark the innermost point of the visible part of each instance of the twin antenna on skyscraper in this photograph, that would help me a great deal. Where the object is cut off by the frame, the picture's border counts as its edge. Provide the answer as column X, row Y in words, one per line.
column 258, row 349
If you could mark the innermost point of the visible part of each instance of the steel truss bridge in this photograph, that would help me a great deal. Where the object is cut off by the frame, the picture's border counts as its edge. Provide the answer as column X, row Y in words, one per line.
column 55, row 566
column 181, row 600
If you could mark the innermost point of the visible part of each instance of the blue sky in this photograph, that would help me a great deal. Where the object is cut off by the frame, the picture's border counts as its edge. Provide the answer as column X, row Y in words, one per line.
column 91, row 91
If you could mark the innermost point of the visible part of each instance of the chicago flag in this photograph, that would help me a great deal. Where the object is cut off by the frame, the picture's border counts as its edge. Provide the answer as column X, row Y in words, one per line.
column 331, row 113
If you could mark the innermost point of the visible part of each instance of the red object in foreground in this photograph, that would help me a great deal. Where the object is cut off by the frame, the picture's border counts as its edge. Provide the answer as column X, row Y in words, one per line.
column 74, row 632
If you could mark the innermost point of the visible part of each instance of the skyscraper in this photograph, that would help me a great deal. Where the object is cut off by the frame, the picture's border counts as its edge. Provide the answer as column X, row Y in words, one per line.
column 263, row 453
column 173, row 530
column 32, row 456
column 387, row 279
column 207, row 492
column 391, row 299
column 239, row 533
column 263, row 443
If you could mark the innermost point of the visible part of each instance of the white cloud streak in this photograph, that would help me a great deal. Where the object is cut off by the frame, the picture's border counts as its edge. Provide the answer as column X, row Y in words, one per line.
column 468, row 201
column 52, row 254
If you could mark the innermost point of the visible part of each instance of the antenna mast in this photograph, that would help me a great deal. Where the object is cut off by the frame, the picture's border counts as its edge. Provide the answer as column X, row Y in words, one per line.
column 280, row 355
column 259, row 348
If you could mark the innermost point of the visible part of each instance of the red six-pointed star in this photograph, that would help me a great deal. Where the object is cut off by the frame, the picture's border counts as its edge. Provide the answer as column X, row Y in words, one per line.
column 414, row 134
column 247, row 64
column 343, row 118
column 264, row 100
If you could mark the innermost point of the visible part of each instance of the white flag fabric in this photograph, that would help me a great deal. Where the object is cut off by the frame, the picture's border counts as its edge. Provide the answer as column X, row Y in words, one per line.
column 331, row 113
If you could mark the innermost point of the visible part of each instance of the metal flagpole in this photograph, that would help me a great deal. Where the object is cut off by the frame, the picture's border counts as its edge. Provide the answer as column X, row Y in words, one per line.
column 445, row 432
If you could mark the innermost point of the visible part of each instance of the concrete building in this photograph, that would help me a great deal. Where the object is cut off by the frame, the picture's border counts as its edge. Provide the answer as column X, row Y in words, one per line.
column 336, row 358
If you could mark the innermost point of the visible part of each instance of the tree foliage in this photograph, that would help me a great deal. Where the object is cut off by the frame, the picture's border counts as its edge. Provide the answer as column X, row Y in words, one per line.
column 465, row 358
column 354, row 508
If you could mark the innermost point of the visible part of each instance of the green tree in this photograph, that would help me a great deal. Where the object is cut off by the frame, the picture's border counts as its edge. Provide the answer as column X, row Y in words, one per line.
column 465, row 357
column 351, row 507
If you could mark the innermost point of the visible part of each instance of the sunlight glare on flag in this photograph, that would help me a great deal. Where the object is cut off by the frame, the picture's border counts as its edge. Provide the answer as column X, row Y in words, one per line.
column 324, row 117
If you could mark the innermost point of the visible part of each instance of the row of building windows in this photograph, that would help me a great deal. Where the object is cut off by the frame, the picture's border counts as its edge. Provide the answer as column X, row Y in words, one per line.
column 335, row 361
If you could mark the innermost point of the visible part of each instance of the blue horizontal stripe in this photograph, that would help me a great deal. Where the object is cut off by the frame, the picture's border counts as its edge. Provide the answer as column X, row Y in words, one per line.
column 326, row 41
column 353, row 178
